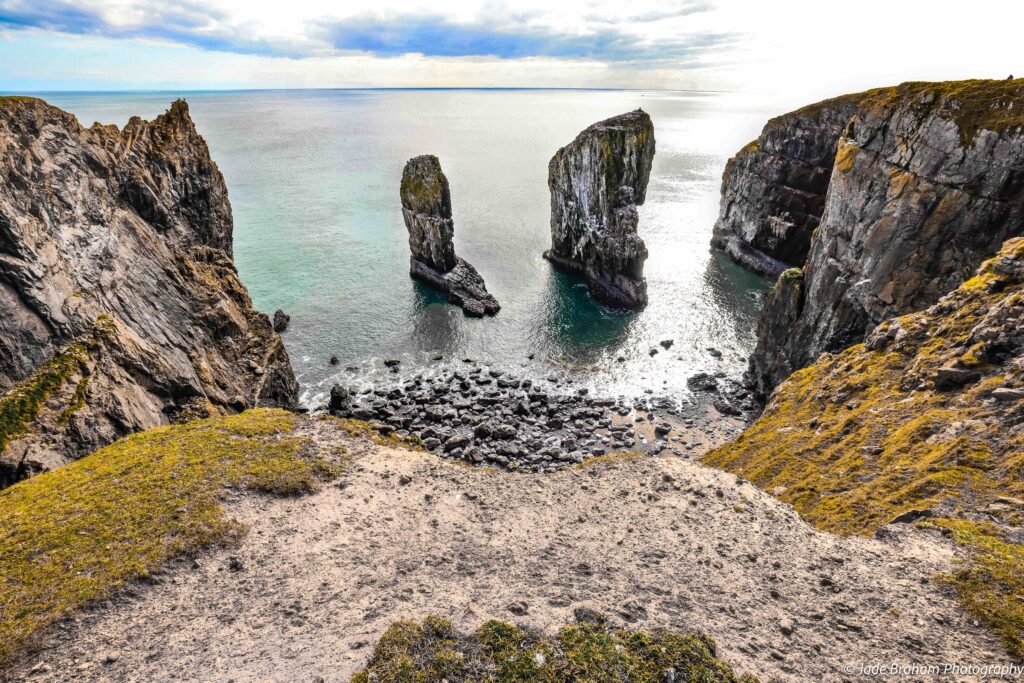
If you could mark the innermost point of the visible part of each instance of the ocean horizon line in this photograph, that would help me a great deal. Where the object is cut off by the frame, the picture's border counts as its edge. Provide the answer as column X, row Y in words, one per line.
column 144, row 91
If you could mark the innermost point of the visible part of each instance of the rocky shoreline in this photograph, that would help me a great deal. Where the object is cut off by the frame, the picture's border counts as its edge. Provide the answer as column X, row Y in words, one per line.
column 486, row 416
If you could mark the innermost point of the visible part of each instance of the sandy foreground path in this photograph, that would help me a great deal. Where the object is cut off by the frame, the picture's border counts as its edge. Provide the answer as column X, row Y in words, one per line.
column 652, row 541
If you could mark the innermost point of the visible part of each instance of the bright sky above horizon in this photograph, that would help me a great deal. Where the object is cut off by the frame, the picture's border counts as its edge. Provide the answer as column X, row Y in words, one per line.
column 794, row 49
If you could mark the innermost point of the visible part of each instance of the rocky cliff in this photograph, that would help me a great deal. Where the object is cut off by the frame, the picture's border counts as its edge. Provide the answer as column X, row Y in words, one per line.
column 773, row 190
column 927, row 182
column 596, row 183
column 925, row 420
column 120, row 307
column 427, row 211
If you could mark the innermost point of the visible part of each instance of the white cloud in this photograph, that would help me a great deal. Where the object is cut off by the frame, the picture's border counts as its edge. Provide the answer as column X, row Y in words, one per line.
column 800, row 49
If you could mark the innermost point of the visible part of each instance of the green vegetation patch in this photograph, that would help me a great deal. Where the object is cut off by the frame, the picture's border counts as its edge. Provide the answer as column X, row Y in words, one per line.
column 991, row 584
column 71, row 536
column 365, row 430
column 499, row 652
column 863, row 436
column 792, row 275
column 13, row 100
column 20, row 406
column 972, row 105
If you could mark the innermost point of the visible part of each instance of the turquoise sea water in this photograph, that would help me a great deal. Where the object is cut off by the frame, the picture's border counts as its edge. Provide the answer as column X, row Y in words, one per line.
column 313, row 178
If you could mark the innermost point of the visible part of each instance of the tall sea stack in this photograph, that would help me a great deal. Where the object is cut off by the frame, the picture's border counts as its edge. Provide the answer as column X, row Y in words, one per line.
column 596, row 183
column 427, row 210
column 120, row 306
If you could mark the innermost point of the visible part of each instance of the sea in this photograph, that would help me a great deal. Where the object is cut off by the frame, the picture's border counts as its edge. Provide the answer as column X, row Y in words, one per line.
column 313, row 178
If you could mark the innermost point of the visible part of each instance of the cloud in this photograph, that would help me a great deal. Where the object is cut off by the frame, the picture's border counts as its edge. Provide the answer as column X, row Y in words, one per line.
column 187, row 22
column 437, row 36
column 683, row 8
column 495, row 32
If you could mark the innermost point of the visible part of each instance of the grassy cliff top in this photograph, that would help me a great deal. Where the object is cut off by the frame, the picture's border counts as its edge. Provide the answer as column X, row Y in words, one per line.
column 434, row 651
column 861, row 437
column 72, row 536
column 973, row 105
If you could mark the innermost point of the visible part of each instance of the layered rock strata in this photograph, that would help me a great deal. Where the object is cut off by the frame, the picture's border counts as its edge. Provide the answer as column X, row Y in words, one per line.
column 120, row 306
column 596, row 183
column 773, row 190
column 927, row 182
column 427, row 211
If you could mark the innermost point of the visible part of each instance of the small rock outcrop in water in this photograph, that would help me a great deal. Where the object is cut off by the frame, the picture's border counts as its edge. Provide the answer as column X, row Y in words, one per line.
column 926, row 183
column 427, row 210
column 281, row 321
column 596, row 183
column 773, row 190
column 120, row 306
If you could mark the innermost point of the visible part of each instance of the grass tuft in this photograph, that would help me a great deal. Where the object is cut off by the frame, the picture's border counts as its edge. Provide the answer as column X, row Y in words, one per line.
column 499, row 652
column 73, row 535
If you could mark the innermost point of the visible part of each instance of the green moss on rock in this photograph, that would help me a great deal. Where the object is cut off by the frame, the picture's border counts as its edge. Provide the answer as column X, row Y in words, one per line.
column 20, row 406
column 792, row 275
column 499, row 652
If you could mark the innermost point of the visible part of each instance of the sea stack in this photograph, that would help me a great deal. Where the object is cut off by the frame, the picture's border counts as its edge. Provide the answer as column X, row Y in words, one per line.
column 427, row 210
column 596, row 183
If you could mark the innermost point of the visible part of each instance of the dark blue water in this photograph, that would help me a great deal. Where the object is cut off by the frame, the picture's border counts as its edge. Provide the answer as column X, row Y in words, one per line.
column 313, row 178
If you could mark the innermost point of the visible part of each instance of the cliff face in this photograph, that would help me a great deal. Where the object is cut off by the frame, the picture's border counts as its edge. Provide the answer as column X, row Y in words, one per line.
column 773, row 190
column 923, row 420
column 120, row 307
column 427, row 211
column 596, row 183
column 928, row 181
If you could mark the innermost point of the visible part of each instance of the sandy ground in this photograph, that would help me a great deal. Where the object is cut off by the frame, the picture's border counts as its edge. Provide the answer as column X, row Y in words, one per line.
column 654, row 541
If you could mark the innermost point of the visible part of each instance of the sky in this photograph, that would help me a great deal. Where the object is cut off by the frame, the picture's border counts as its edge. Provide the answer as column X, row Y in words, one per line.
column 796, row 49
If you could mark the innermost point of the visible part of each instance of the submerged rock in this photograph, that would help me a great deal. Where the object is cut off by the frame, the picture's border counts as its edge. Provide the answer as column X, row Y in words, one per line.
column 925, row 185
column 596, row 183
column 120, row 305
column 427, row 210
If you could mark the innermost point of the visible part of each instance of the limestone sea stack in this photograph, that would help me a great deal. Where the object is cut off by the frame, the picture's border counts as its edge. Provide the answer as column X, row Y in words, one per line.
column 427, row 210
column 596, row 183
column 120, row 306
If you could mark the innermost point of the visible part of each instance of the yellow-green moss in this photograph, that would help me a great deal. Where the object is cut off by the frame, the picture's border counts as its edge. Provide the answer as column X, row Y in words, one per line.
column 609, row 458
column 20, row 406
column 991, row 585
column 973, row 105
column 863, row 436
column 792, row 275
column 73, row 535
column 365, row 430
column 499, row 652
column 12, row 100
